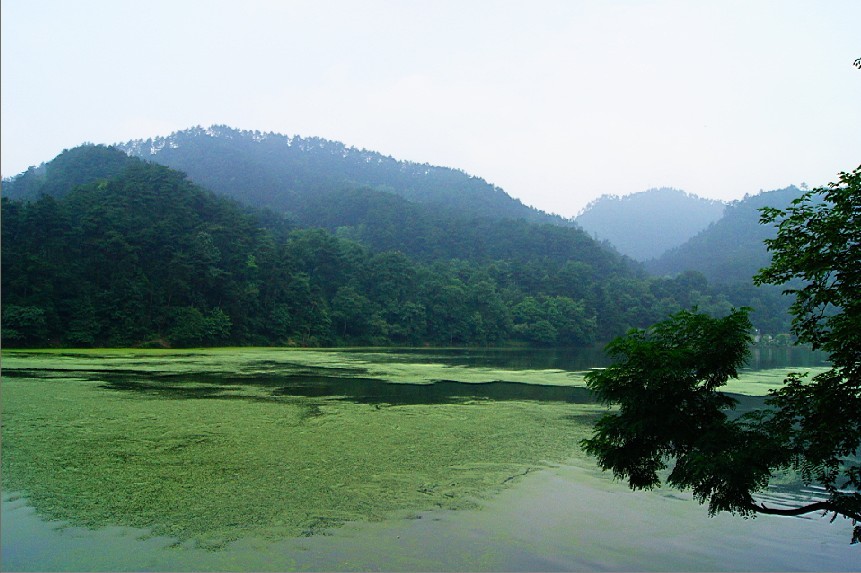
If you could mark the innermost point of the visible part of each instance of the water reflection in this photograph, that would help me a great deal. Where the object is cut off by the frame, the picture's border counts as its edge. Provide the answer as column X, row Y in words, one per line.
column 575, row 359
column 571, row 359
column 352, row 389
column 359, row 378
column 765, row 358
column 602, row 524
column 370, row 391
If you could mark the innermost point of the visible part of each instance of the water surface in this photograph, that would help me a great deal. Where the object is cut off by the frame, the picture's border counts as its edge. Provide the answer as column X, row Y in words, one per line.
column 272, row 459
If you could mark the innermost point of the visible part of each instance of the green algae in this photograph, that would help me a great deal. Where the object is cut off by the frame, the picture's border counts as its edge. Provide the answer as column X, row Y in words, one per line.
column 761, row 382
column 203, row 466
column 254, row 364
column 212, row 445
column 267, row 361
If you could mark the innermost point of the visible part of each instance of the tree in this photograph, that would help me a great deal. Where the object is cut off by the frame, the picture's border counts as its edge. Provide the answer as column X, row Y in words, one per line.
column 351, row 312
column 23, row 324
column 666, row 380
column 819, row 244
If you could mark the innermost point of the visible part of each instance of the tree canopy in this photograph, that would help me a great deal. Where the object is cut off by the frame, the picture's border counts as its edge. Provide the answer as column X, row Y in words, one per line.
column 283, row 173
column 731, row 249
column 110, row 256
column 819, row 243
column 666, row 380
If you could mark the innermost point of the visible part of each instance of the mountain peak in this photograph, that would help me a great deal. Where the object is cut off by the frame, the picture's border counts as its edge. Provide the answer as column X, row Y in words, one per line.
column 646, row 224
column 282, row 172
column 732, row 249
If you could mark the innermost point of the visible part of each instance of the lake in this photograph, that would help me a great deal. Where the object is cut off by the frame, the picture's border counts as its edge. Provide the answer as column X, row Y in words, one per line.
column 366, row 459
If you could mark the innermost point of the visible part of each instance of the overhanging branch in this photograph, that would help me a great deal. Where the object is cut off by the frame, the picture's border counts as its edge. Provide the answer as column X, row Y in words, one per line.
column 825, row 506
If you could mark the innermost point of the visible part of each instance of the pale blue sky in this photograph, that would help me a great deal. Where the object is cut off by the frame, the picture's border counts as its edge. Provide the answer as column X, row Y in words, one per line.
column 556, row 102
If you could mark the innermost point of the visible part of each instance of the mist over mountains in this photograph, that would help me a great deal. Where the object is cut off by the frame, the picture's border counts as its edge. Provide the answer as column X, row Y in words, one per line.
column 379, row 200
column 266, row 239
column 427, row 211
column 672, row 232
column 284, row 173
column 731, row 249
column 645, row 225
column 428, row 229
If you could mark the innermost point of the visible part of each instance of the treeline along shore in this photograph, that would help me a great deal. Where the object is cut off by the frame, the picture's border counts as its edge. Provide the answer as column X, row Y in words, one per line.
column 113, row 251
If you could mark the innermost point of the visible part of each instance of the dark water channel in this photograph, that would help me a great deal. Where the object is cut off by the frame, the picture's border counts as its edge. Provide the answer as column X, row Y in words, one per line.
column 358, row 390
column 351, row 384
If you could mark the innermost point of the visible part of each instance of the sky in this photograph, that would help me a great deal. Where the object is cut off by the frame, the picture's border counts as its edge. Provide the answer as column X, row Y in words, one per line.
column 557, row 102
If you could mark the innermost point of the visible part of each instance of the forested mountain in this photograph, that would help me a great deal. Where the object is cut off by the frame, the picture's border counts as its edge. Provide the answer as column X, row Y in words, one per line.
column 731, row 250
column 283, row 173
column 379, row 219
column 644, row 225
column 147, row 257
column 385, row 221
column 72, row 167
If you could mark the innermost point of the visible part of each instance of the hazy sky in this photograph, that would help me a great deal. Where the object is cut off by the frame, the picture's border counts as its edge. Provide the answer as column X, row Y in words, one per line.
column 557, row 102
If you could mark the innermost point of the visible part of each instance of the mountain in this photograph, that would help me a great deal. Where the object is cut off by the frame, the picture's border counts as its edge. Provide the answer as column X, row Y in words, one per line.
column 146, row 256
column 387, row 222
column 644, row 225
column 427, row 212
column 117, row 251
column 731, row 249
column 382, row 220
column 73, row 167
column 283, row 173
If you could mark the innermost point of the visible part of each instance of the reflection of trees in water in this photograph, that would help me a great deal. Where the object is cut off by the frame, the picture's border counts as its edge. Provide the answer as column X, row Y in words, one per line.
column 358, row 390
column 763, row 358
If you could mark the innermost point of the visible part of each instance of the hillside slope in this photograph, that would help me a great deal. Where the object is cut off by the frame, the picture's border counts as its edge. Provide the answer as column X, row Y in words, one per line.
column 731, row 249
column 78, row 166
column 283, row 173
column 147, row 257
column 381, row 220
column 645, row 225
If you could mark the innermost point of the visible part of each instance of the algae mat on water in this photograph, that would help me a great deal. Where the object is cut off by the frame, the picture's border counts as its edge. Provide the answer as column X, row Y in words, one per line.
column 197, row 458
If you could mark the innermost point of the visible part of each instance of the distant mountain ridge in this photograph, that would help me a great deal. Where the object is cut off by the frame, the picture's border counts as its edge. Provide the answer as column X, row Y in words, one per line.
column 382, row 220
column 283, row 172
column 646, row 224
column 146, row 256
column 732, row 248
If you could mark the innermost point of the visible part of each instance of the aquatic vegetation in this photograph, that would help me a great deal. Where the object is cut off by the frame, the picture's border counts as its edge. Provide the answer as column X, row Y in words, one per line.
column 381, row 365
column 217, row 444
column 182, row 451
column 760, row 382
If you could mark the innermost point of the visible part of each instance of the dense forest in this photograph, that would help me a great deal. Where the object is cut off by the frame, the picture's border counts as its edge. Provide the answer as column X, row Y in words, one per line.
column 116, row 251
column 282, row 172
column 732, row 249
column 644, row 225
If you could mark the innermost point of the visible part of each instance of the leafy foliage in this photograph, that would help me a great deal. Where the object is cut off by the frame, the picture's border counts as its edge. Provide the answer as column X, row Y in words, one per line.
column 666, row 380
column 819, row 243
column 145, row 257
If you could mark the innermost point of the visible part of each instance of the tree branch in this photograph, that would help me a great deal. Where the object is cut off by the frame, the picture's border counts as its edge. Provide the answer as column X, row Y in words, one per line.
column 825, row 506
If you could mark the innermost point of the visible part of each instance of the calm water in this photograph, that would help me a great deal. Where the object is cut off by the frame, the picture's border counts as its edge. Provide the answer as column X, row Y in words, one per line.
column 564, row 519
column 567, row 518
column 761, row 358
